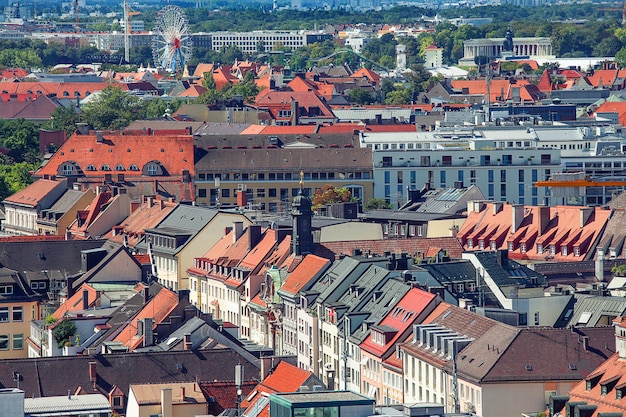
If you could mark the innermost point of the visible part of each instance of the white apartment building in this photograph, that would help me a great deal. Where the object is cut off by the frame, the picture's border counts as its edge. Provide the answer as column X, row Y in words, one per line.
column 249, row 42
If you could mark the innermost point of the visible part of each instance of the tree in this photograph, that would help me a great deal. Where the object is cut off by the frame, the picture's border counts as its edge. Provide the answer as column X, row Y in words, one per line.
column 63, row 332
column 328, row 194
column 112, row 109
column 400, row 95
column 361, row 96
column 377, row 203
column 63, row 118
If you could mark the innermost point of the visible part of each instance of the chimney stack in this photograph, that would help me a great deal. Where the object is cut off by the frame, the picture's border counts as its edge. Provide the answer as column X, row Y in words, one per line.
column 586, row 343
column 543, row 218
column 85, row 299
column 93, row 376
column 166, row 402
column 518, row 217
column 600, row 265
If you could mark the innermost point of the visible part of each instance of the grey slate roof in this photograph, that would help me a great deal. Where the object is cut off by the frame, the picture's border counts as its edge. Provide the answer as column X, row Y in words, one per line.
column 66, row 202
column 41, row 377
column 510, row 273
column 590, row 310
column 37, row 256
column 292, row 160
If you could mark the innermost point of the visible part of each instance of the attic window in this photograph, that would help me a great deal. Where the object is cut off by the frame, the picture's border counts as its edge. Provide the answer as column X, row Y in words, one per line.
column 133, row 167
column 572, row 367
column 66, row 94
column 105, row 167
column 119, row 167
column 529, row 367
column 90, row 168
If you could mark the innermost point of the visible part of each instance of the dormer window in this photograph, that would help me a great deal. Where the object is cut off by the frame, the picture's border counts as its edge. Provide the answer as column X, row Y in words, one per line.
column 120, row 167
column 105, row 167
column 331, row 315
column 607, row 385
column 592, row 380
column 378, row 338
column 470, row 243
column 133, row 167
column 564, row 250
column 67, row 169
column 6, row 289
column 90, row 168
column 539, row 248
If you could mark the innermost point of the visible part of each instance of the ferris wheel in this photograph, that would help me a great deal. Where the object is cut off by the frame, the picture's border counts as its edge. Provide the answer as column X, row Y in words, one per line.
column 171, row 44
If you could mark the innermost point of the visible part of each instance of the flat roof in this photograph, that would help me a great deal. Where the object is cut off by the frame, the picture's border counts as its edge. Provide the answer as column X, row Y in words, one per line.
column 322, row 397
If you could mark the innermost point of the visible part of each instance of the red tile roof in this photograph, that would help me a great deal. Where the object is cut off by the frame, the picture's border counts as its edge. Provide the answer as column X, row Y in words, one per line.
column 158, row 308
column 75, row 302
column 284, row 378
column 561, row 233
column 500, row 90
column 57, row 89
column 147, row 215
column 303, row 273
column 174, row 152
column 413, row 246
column 618, row 107
column 400, row 318
column 34, row 193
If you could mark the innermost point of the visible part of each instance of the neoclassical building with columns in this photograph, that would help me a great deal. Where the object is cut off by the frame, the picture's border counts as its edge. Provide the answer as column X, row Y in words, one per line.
column 494, row 48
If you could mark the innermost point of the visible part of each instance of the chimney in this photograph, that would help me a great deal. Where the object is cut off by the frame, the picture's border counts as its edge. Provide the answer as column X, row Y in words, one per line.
column 585, row 343
column 68, row 234
column 600, row 265
column 187, row 342
column 238, row 228
column 543, row 218
column 85, row 299
column 585, row 213
column 254, row 235
column 294, row 112
column 93, row 376
column 166, row 402
column 148, row 335
column 146, row 295
column 497, row 207
column 502, row 257
column 99, row 137
column 518, row 217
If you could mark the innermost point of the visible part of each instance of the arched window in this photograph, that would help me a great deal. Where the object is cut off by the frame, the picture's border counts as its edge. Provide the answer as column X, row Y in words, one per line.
column 105, row 167
column 66, row 94
column 120, row 167
column 152, row 169
column 67, row 169
column 133, row 167
column 90, row 168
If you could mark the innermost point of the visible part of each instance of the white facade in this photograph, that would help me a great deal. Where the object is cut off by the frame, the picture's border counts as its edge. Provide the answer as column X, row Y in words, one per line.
column 433, row 57
column 248, row 42
column 494, row 48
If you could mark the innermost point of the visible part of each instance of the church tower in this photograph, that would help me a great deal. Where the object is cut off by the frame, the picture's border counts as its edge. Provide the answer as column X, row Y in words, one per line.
column 302, row 212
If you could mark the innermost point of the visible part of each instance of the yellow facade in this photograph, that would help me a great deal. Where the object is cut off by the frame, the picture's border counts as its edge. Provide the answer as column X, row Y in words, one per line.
column 15, row 318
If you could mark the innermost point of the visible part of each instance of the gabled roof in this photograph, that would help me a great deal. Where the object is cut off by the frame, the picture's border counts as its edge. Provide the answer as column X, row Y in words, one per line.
column 149, row 214
column 400, row 319
column 40, row 376
column 202, row 68
column 158, row 308
column 77, row 301
column 570, row 232
column 284, row 378
column 414, row 246
column 304, row 274
column 619, row 108
column 32, row 195
column 530, row 355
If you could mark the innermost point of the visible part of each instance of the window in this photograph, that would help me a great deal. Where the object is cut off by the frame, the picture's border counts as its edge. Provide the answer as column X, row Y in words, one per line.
column 152, row 169
column 120, row 167
column 4, row 314
column 201, row 192
column 67, row 169
column 18, row 341
column 272, row 193
column 133, row 167
column 4, row 342
column 90, row 168
column 18, row 314
column 6, row 289
column 118, row 401
column 225, row 192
